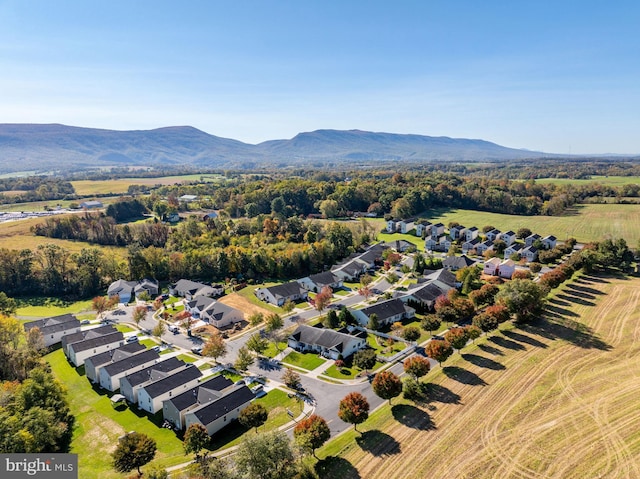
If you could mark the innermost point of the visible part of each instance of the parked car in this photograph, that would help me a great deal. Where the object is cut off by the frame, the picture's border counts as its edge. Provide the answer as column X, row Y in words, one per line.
column 132, row 339
column 85, row 321
column 164, row 296
column 156, row 349
column 197, row 350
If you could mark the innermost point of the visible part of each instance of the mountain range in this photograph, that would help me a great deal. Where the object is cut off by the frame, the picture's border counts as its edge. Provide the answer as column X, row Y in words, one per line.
column 64, row 148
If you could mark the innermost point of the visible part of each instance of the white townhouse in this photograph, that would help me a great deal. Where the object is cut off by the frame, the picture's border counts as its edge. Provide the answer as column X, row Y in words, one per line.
column 131, row 383
column 82, row 350
column 151, row 396
column 55, row 328
column 218, row 413
column 111, row 374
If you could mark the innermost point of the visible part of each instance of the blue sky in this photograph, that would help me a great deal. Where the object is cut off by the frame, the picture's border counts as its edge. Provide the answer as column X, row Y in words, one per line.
column 554, row 76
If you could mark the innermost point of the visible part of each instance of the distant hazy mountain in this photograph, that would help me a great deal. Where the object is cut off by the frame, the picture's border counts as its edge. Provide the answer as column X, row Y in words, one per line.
column 60, row 147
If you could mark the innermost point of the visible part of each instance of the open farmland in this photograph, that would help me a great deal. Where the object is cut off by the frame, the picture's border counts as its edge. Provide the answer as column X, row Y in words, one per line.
column 558, row 399
column 583, row 222
column 603, row 180
column 121, row 185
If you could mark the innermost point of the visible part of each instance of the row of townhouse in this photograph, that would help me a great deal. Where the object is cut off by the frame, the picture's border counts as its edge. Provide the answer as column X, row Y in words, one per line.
column 55, row 328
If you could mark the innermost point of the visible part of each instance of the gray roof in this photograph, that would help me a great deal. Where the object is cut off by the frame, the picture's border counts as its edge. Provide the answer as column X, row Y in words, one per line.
column 444, row 276
column 458, row 262
column 155, row 372
column 96, row 342
column 386, row 309
column 201, row 302
column 217, row 310
column 116, row 354
column 131, row 362
column 225, row 404
column 120, row 286
column 177, row 379
column 286, row 289
column 426, row 292
column 324, row 278
column 54, row 324
column 88, row 334
column 327, row 338
column 191, row 287
column 201, row 394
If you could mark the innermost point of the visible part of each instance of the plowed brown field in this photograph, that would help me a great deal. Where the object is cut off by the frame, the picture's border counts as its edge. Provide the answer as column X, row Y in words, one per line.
column 558, row 399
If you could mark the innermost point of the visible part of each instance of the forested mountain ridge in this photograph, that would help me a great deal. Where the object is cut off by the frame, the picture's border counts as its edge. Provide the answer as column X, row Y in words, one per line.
column 63, row 148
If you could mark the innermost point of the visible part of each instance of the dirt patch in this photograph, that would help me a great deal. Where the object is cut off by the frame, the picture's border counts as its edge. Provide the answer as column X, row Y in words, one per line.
column 243, row 304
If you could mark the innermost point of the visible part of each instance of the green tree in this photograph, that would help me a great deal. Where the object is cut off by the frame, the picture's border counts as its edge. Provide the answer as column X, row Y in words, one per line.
column 416, row 366
column 139, row 313
column 331, row 321
column 411, row 333
column 329, row 208
column 373, row 322
column 273, row 322
column 8, row 306
column 311, row 433
column 254, row 415
column 266, row 456
column 244, row 359
column 214, row 347
column 522, row 233
column 196, row 438
column 255, row 319
column 159, row 329
column 288, row 306
column 257, row 343
column 473, row 332
column 386, row 385
column 133, row 451
column 485, row 322
column 354, row 409
column 365, row 359
column 523, row 298
column 430, row 323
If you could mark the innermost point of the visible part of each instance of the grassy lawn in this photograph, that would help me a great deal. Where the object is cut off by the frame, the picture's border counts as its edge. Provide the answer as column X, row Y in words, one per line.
column 45, row 307
column 411, row 238
column 121, row 185
column 248, row 294
column 341, row 292
column 348, row 371
column 99, row 424
column 276, row 402
column 271, row 350
column 148, row 343
column 376, row 342
column 308, row 361
column 603, row 180
column 123, row 328
column 187, row 358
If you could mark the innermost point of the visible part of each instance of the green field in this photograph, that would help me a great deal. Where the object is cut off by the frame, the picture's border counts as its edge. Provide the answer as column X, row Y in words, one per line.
column 308, row 361
column 46, row 307
column 603, row 180
column 101, row 187
column 583, row 222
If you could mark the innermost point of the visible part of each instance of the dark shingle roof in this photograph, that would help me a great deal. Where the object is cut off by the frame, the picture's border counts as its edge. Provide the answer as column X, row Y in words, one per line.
column 131, row 362
column 119, row 286
column 189, row 286
column 227, row 403
column 287, row 289
column 385, row 309
column 88, row 334
column 426, row 292
column 156, row 371
column 116, row 354
column 173, row 381
column 95, row 342
column 458, row 262
column 201, row 393
column 443, row 275
column 327, row 338
column 326, row 277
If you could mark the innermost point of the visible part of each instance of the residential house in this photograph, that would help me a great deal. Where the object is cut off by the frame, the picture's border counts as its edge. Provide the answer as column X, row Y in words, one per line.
column 126, row 290
column 91, row 205
column 217, row 414
column 213, row 312
column 457, row 232
column 86, row 334
column 131, row 383
column 515, row 248
column 425, row 294
column 188, row 198
column 406, row 226
column 174, row 409
column 530, row 253
column 151, row 396
column 55, row 328
column 484, row 247
column 437, row 229
column 508, row 237
column 549, row 242
column 188, row 289
column 454, row 263
column 491, row 266
column 471, row 233
column 350, row 270
column 469, row 246
column 111, row 374
column 493, row 235
column 387, row 312
column 281, row 293
column 316, row 282
column 435, row 243
column 399, row 245
column 82, row 350
column 93, row 364
column 146, row 286
column 423, row 228
column 532, row 238
column 392, row 226
column 443, row 278
column 506, row 268
column 327, row 342
column 212, row 215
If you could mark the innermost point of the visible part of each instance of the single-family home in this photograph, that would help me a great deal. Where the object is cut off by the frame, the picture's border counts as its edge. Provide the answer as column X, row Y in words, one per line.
column 422, row 228
column 146, row 285
column 437, row 229
column 493, row 235
column 217, row 414
column 506, row 268
column 188, row 198
column 530, row 253
column 508, row 237
column 86, row 334
column 387, row 312
column 468, row 246
column 281, row 293
column 471, row 234
column 185, row 288
column 327, row 342
column 212, row 215
column 91, row 205
column 55, row 328
column 457, row 231
column 491, row 266
column 444, row 278
column 111, row 374
column 424, row 293
column 131, row 383
column 549, row 242
column 316, row 282
column 399, row 245
column 483, row 247
column 454, row 263
column 175, row 408
column 150, row 396
column 515, row 248
column 435, row 243
column 532, row 238
column 82, row 350
column 93, row 364
column 406, row 226
column 350, row 270
column 392, row 226
column 213, row 312
column 126, row 290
